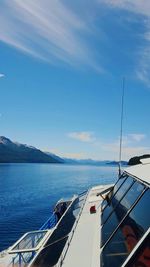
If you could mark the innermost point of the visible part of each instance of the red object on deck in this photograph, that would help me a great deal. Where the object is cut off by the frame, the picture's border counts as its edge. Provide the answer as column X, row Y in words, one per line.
column 93, row 209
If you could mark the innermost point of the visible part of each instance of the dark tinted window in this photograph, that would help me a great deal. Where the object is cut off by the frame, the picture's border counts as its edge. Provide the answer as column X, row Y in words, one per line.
column 142, row 256
column 104, row 204
column 118, row 184
column 126, row 237
column 113, row 192
column 114, row 201
column 121, row 210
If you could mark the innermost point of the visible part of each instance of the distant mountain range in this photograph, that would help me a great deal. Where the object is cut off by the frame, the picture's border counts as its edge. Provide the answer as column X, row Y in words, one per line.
column 94, row 162
column 11, row 152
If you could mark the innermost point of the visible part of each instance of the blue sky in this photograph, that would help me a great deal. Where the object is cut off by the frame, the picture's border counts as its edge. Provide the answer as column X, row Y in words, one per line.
column 61, row 69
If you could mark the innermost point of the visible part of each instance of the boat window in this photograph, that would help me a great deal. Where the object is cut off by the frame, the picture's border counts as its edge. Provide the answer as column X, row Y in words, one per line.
column 113, row 192
column 142, row 255
column 119, row 183
column 104, row 204
column 128, row 234
column 114, row 201
column 123, row 206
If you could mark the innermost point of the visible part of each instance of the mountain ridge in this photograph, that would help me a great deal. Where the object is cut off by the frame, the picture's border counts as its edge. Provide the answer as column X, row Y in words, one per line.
column 14, row 152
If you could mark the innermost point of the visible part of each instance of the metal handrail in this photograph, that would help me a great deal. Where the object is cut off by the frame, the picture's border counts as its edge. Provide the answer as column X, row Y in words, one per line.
column 64, row 252
column 50, row 223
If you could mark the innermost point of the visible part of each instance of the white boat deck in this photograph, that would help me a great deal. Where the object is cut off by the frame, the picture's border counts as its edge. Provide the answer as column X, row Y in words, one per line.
column 5, row 259
column 84, row 249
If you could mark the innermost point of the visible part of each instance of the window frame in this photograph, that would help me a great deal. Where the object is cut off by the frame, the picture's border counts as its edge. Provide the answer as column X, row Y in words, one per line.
column 131, row 208
column 120, row 199
column 138, row 245
column 138, row 179
column 123, row 176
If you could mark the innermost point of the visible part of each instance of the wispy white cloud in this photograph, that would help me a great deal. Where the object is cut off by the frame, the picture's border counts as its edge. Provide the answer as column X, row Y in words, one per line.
column 143, row 67
column 139, row 7
column 127, row 151
column 2, row 75
column 130, row 146
column 131, row 139
column 137, row 137
column 54, row 32
column 102, row 149
column 82, row 136
column 45, row 29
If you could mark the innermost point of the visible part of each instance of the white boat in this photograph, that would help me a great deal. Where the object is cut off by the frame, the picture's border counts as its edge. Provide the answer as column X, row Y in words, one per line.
column 109, row 225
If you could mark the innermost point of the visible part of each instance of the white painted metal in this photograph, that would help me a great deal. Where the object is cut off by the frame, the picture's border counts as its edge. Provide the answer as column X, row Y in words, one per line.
column 145, row 161
column 141, row 171
column 84, row 249
column 12, row 249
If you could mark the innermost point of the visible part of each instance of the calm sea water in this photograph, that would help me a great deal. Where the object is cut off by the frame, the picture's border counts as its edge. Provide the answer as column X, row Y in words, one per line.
column 28, row 193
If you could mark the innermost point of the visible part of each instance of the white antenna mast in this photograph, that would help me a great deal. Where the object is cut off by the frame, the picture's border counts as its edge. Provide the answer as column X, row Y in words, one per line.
column 121, row 124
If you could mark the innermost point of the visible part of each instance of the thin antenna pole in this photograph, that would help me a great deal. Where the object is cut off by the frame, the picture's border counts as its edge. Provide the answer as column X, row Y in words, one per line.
column 121, row 124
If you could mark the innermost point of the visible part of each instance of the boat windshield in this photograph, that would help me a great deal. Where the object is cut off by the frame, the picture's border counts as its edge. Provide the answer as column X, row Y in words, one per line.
column 117, row 195
column 125, row 227
column 142, row 255
column 116, row 187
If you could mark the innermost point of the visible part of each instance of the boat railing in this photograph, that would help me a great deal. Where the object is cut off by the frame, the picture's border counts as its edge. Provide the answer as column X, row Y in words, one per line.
column 82, row 193
column 50, row 223
column 23, row 259
column 19, row 259
column 64, row 252
column 27, row 247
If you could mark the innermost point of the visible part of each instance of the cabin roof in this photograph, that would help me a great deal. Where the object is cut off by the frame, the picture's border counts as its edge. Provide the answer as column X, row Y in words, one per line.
column 141, row 171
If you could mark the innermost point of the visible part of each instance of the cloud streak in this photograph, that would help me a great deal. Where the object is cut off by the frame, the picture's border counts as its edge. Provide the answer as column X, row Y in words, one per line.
column 137, row 137
column 127, row 151
column 82, row 136
column 2, row 75
column 45, row 29
column 138, row 6
column 131, row 146
column 54, row 32
column 142, row 8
